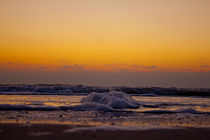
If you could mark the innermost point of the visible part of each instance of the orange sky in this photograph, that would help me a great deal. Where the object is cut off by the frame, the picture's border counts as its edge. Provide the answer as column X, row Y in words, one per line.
column 105, row 35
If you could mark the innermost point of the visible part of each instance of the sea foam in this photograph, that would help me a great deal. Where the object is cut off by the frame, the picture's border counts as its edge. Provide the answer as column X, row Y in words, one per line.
column 112, row 99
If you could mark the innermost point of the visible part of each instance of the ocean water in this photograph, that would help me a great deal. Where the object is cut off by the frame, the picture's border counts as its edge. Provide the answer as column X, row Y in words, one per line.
column 48, row 102
column 115, row 109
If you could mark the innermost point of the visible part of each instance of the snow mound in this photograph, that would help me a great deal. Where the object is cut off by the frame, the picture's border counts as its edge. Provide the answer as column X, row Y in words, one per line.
column 112, row 99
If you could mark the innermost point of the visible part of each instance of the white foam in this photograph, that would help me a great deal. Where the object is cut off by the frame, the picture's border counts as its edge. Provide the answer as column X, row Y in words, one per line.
column 188, row 110
column 88, row 107
column 40, row 133
column 113, row 99
column 117, row 128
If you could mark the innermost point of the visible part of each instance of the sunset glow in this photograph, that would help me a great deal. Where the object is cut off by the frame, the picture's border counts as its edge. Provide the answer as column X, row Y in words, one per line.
column 105, row 35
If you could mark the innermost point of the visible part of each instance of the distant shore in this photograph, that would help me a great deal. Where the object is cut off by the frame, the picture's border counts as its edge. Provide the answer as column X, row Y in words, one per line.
column 54, row 131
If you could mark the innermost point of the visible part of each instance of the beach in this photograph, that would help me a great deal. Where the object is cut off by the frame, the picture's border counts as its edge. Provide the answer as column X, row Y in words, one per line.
column 53, row 132
column 104, row 69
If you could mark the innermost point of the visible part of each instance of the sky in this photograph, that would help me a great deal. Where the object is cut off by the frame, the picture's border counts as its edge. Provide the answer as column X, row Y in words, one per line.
column 107, row 36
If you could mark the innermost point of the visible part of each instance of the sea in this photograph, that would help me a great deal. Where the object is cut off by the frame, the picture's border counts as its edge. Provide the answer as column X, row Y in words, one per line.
column 105, row 108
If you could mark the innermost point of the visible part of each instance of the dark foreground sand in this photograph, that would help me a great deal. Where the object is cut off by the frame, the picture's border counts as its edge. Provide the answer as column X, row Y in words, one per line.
column 54, row 132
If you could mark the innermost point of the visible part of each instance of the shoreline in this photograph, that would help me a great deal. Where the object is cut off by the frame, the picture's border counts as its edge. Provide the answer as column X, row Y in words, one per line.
column 60, row 131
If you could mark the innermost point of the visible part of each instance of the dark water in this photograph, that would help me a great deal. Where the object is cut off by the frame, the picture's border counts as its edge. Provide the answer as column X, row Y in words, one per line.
column 152, row 112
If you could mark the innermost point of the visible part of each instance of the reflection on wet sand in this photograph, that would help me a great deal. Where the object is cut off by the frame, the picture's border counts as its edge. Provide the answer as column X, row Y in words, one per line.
column 152, row 111
column 94, row 118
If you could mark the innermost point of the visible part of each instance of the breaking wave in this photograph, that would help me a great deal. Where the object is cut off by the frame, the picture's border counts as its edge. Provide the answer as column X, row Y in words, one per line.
column 91, row 107
column 112, row 99
column 109, row 101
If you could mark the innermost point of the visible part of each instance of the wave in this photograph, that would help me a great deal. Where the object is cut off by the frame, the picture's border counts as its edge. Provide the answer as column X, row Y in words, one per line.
column 83, row 107
column 188, row 110
column 59, row 89
column 112, row 99
column 108, row 101
column 91, row 107
column 27, row 107
column 41, row 93
column 116, row 128
column 158, row 105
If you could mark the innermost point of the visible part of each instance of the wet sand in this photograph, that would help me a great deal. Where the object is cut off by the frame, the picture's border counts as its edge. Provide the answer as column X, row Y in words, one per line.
column 54, row 132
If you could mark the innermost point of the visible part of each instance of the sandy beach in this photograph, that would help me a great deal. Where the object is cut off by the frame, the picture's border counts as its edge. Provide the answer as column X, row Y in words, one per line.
column 53, row 132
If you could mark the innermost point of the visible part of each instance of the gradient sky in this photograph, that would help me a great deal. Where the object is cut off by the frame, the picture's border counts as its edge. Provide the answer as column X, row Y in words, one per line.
column 105, row 35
